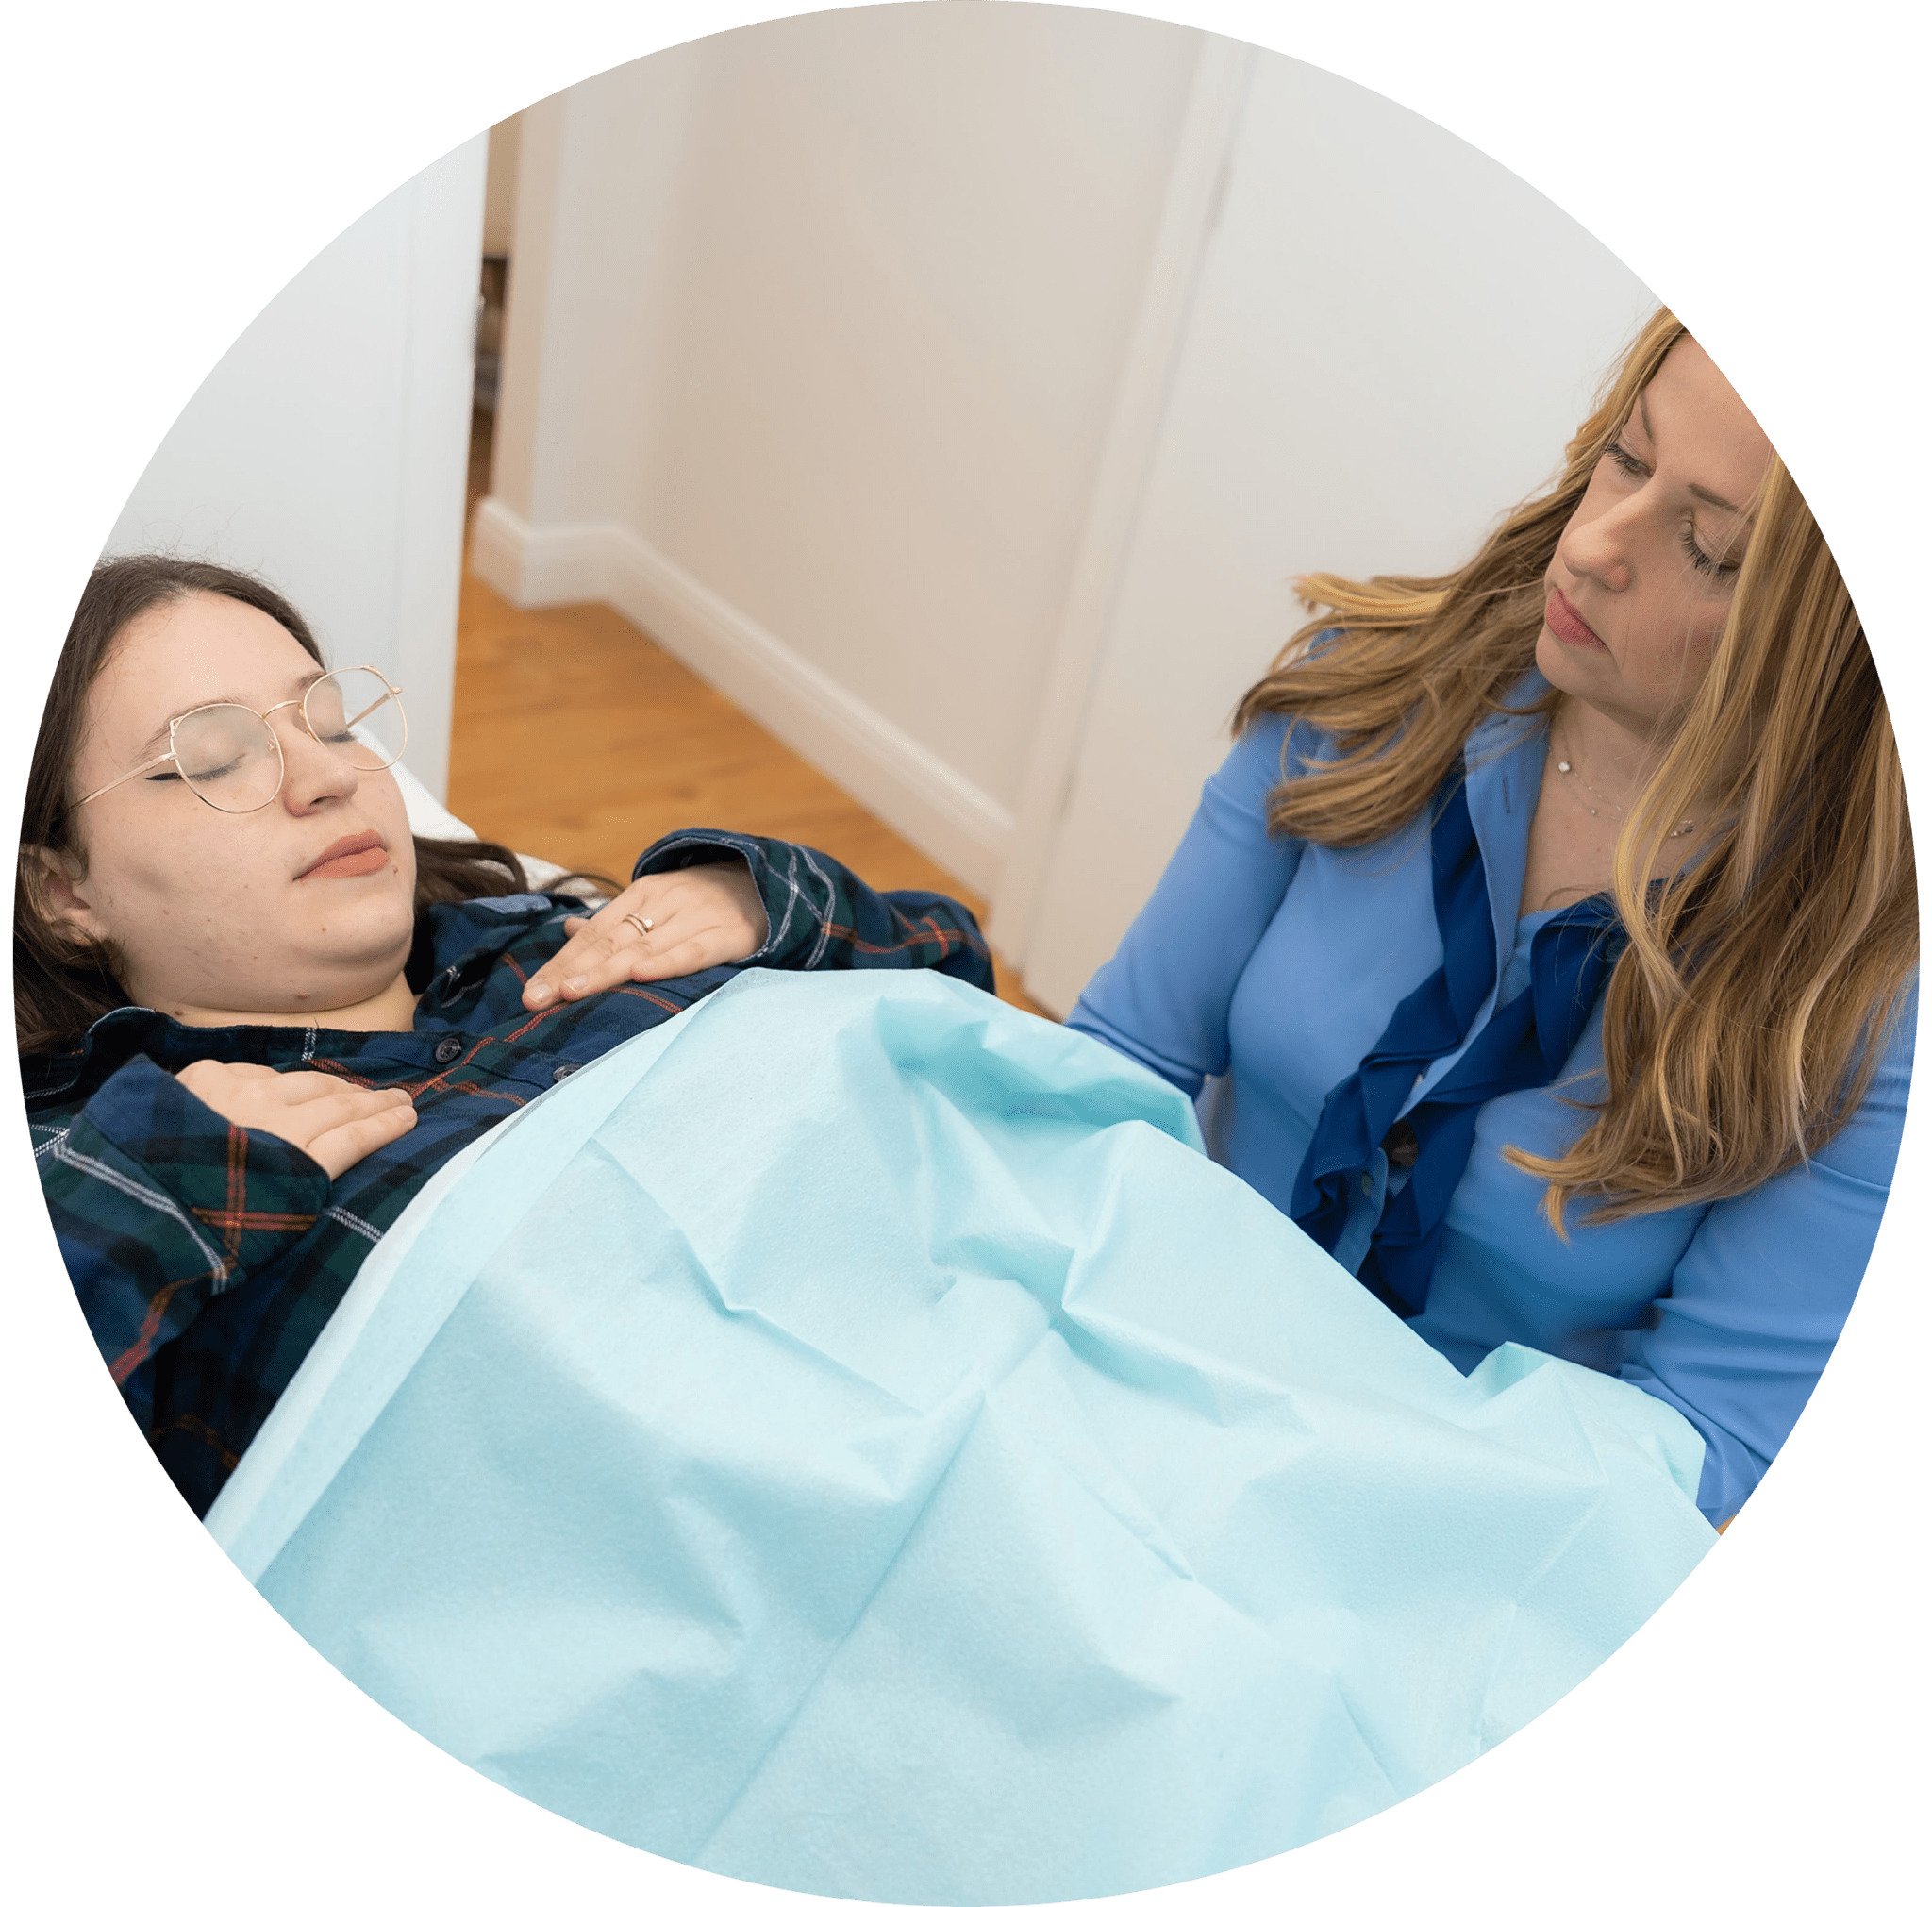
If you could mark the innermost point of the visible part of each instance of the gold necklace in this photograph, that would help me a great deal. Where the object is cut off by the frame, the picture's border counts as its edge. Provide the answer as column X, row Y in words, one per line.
column 1565, row 769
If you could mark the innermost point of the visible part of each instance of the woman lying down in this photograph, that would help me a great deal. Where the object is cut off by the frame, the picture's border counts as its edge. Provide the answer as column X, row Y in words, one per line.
column 850, row 1437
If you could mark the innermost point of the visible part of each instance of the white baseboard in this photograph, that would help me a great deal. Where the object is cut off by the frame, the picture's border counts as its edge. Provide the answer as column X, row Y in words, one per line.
column 536, row 566
column 900, row 780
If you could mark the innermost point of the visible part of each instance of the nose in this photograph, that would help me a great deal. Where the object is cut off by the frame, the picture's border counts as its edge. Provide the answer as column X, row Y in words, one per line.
column 1598, row 545
column 313, row 773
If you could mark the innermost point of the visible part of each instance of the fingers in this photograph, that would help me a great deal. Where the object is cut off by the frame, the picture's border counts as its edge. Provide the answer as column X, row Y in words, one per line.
column 216, row 1081
column 611, row 946
column 337, row 1128
column 356, row 1136
column 683, row 945
column 699, row 917
column 257, row 1095
column 299, row 1089
column 333, row 1111
column 604, row 947
column 334, row 1120
column 240, row 1075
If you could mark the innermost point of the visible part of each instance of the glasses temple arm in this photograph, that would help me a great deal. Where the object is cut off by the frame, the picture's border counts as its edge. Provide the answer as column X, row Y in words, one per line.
column 122, row 779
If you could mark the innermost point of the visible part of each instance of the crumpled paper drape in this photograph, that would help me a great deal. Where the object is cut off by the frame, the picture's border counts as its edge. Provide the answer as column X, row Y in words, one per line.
column 851, row 1438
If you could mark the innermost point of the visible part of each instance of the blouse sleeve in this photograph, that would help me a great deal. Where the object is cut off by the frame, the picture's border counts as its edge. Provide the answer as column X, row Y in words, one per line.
column 819, row 913
column 1164, row 997
column 159, row 1206
column 1758, row 1299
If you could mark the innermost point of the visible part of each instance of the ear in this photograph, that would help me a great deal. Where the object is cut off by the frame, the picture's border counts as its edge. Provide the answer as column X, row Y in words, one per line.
column 54, row 886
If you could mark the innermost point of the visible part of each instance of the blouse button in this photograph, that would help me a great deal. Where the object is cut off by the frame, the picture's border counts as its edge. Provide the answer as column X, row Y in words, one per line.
column 1367, row 1184
column 447, row 1049
column 563, row 1070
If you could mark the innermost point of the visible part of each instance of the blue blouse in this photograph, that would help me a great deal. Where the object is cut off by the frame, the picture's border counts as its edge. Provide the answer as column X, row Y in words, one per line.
column 1264, row 968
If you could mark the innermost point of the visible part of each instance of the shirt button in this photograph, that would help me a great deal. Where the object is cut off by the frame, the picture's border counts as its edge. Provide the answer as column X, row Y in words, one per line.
column 1367, row 1184
column 447, row 1049
column 563, row 1070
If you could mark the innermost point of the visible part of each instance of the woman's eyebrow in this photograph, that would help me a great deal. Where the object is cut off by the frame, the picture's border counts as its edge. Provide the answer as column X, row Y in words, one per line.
column 1696, row 490
column 1710, row 496
column 161, row 730
column 161, row 733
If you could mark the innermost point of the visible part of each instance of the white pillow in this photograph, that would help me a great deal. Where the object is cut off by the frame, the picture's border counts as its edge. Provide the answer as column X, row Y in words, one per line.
column 429, row 817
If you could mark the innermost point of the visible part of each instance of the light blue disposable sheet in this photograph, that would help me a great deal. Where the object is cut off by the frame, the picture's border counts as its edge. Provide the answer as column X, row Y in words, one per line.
column 852, row 1439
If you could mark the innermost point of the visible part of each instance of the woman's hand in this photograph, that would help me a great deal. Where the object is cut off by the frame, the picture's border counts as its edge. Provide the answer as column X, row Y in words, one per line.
column 335, row 1122
column 698, row 917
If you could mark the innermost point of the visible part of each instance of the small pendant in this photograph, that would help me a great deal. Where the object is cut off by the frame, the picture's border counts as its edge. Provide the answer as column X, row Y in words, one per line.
column 1563, row 767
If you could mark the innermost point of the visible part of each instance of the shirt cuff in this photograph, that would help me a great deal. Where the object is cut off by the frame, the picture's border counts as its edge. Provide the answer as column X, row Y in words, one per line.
column 786, row 923
column 248, row 1190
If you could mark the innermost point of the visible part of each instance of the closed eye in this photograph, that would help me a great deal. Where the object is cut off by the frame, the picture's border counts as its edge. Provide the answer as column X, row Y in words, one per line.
column 1705, row 564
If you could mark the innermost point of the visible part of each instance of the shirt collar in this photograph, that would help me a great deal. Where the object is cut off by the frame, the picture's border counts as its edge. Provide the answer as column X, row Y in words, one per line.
column 453, row 944
column 1503, row 761
column 118, row 1036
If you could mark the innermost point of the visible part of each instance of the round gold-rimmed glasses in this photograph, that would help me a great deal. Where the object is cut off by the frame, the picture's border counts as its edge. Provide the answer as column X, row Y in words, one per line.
column 229, row 757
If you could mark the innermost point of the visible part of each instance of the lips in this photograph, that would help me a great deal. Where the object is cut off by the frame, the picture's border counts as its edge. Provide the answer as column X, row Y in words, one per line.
column 1566, row 624
column 352, row 855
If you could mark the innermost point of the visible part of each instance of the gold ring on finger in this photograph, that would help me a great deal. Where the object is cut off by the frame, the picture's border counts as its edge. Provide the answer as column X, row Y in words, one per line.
column 643, row 926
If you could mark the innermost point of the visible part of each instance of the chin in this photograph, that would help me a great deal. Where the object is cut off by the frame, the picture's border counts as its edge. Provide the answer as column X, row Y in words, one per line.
column 1556, row 660
column 370, row 931
column 367, row 904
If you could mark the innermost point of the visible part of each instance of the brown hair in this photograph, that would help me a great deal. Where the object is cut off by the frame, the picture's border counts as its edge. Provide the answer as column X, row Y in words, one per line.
column 61, row 984
column 1744, row 1019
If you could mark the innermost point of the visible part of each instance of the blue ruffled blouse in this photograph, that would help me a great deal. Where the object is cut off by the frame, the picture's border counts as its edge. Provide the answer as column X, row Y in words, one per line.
column 1262, row 969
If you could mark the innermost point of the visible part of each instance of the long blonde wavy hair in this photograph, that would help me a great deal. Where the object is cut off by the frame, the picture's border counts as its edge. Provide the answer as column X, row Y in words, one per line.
column 1743, row 1018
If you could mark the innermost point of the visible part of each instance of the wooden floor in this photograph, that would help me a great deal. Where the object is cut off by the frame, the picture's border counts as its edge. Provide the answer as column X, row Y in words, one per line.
column 576, row 738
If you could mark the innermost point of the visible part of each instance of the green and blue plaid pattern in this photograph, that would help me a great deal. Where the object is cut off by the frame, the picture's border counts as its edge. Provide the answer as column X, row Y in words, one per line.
column 208, row 1257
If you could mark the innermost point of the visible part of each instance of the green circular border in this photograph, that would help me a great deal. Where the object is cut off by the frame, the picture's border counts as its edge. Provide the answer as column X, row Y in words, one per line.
column 1762, row 169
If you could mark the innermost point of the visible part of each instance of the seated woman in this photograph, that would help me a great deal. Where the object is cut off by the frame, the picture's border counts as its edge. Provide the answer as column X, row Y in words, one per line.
column 255, row 1015
column 1576, row 882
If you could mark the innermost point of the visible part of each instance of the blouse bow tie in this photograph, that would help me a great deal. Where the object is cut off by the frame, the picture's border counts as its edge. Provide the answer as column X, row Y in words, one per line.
column 1523, row 1045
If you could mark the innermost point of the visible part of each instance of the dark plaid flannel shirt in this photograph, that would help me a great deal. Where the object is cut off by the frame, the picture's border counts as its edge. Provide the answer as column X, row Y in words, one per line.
column 208, row 1257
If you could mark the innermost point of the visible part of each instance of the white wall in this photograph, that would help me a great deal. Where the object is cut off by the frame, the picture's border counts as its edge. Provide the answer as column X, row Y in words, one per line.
column 881, row 363
column 604, row 174
column 329, row 449
column 815, row 339
column 1392, row 340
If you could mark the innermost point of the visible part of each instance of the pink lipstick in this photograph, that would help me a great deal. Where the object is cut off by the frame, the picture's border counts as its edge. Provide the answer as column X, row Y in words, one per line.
column 1567, row 626
column 352, row 855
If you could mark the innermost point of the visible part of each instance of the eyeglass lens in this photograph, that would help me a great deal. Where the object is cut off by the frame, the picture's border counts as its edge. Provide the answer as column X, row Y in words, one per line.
column 228, row 755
